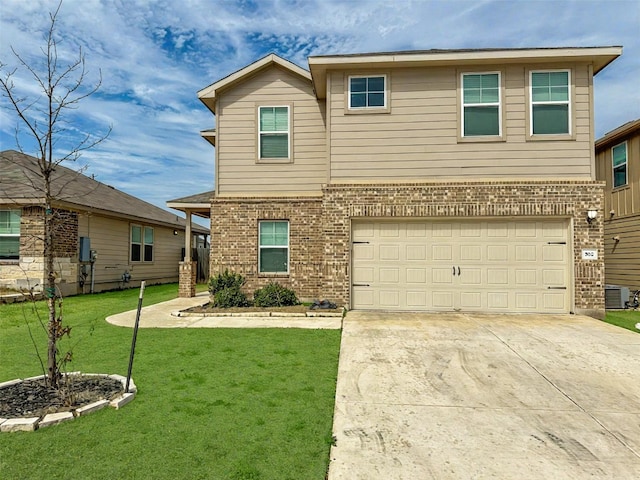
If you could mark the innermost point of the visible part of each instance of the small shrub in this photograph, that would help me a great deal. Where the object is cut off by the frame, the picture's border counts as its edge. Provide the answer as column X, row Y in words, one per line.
column 230, row 297
column 225, row 280
column 225, row 290
column 274, row 295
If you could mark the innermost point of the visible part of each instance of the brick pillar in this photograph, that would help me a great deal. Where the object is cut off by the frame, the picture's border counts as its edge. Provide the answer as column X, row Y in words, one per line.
column 187, row 282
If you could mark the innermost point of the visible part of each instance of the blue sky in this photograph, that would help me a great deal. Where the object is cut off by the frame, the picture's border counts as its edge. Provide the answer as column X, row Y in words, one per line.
column 155, row 55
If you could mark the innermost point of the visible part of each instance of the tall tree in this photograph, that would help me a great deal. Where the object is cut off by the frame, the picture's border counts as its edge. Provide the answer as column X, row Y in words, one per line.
column 42, row 117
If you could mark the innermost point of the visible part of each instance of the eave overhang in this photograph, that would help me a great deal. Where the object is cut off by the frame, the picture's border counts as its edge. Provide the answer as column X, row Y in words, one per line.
column 600, row 57
column 618, row 135
column 209, row 94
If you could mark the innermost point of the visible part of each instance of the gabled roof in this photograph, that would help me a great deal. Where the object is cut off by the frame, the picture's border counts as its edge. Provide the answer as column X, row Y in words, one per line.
column 208, row 94
column 600, row 57
column 618, row 135
column 20, row 184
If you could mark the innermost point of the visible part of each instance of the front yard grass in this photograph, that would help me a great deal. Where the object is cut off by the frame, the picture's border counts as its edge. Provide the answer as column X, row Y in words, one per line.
column 211, row 403
column 624, row 318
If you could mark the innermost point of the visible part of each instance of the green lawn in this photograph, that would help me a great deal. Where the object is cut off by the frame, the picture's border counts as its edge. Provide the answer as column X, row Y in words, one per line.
column 623, row 318
column 211, row 403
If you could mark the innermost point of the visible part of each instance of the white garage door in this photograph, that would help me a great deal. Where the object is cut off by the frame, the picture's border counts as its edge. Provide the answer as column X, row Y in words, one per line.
column 492, row 266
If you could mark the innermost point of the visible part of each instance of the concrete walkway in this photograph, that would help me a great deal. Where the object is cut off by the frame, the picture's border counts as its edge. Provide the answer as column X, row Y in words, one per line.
column 459, row 396
column 167, row 315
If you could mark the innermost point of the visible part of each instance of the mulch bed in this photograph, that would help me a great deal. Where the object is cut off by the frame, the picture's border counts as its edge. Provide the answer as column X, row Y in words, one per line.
column 32, row 398
column 207, row 308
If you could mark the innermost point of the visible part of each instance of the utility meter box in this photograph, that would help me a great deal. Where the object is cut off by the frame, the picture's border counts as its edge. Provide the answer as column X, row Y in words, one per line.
column 85, row 249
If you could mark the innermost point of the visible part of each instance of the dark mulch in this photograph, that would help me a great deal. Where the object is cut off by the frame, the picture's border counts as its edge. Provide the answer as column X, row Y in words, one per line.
column 208, row 308
column 32, row 398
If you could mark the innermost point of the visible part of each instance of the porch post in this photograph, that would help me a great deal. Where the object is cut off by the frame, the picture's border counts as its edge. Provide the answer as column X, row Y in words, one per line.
column 188, row 268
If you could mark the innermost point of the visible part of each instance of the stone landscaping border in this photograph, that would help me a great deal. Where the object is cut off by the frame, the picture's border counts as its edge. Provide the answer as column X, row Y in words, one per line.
column 29, row 424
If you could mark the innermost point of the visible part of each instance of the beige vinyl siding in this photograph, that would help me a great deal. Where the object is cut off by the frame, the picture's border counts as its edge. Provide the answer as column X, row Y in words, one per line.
column 238, row 170
column 624, row 200
column 110, row 238
column 622, row 258
column 418, row 139
column 622, row 216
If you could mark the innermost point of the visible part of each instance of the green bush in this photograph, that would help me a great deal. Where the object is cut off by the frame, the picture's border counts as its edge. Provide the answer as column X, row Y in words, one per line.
column 230, row 297
column 225, row 290
column 274, row 295
column 225, row 280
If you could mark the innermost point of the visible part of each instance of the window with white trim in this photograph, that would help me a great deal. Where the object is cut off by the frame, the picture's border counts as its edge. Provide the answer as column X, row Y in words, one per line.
column 273, row 254
column 619, row 160
column 481, row 112
column 9, row 234
column 273, row 132
column 550, row 94
column 141, row 244
column 367, row 92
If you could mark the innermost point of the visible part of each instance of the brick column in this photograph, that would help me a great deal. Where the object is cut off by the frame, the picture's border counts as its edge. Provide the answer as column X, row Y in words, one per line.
column 187, row 282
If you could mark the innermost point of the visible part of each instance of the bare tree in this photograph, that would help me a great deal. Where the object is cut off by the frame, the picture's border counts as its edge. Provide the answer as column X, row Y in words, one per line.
column 61, row 87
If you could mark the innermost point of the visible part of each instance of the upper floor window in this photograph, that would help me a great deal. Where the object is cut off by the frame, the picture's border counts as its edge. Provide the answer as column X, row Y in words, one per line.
column 619, row 158
column 367, row 92
column 481, row 104
column 273, row 132
column 141, row 244
column 550, row 105
column 274, row 247
column 9, row 234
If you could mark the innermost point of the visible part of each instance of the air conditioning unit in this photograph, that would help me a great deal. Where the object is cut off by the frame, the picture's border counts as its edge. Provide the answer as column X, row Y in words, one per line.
column 615, row 296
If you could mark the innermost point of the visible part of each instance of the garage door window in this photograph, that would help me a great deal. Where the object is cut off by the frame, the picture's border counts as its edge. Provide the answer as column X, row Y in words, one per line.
column 274, row 247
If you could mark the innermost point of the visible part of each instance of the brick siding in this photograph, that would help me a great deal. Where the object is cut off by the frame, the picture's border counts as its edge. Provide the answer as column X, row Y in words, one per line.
column 320, row 227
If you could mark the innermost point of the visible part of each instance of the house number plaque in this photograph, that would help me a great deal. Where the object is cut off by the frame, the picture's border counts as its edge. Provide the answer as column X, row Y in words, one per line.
column 589, row 254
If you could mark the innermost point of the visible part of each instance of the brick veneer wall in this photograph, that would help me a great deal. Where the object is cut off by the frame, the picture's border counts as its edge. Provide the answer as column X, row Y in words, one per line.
column 234, row 240
column 321, row 228
column 28, row 271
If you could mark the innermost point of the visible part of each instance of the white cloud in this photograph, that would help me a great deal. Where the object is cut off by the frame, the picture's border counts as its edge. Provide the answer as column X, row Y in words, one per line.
column 155, row 56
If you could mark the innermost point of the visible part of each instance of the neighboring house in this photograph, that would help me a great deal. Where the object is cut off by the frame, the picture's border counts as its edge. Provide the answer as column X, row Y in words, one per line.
column 445, row 180
column 618, row 164
column 105, row 238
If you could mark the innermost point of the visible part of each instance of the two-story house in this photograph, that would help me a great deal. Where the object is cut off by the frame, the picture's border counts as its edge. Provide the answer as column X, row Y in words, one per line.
column 424, row 180
column 618, row 164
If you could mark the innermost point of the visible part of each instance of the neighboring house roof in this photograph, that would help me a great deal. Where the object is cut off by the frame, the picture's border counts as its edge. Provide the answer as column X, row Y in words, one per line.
column 618, row 134
column 319, row 65
column 19, row 185
column 208, row 94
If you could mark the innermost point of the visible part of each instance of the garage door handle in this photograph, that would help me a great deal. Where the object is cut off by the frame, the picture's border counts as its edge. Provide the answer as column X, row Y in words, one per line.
column 454, row 271
column 556, row 288
column 360, row 285
column 458, row 271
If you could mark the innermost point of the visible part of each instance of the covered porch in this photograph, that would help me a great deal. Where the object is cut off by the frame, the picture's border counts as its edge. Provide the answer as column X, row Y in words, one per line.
column 195, row 262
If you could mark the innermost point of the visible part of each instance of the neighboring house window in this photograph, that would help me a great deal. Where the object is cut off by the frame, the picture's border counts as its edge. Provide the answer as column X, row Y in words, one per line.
column 9, row 234
column 550, row 109
column 367, row 92
column 141, row 244
column 619, row 157
column 273, row 132
column 274, row 247
column 480, row 104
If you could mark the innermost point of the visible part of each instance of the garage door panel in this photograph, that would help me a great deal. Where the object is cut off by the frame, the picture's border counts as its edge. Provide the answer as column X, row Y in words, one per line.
column 389, row 298
column 471, row 277
column 442, row 300
column 364, row 275
column 416, row 275
column 389, row 275
column 441, row 253
column 389, row 252
column 500, row 266
column 417, row 299
column 553, row 253
column 441, row 276
column 497, row 276
column 498, row 300
column 416, row 252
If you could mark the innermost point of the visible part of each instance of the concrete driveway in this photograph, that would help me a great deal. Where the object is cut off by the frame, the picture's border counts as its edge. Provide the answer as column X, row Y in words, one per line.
column 461, row 396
